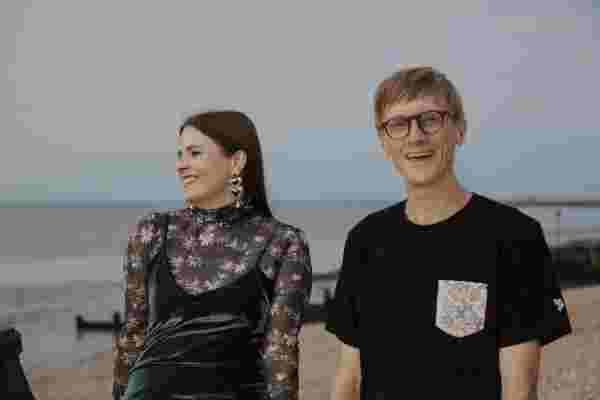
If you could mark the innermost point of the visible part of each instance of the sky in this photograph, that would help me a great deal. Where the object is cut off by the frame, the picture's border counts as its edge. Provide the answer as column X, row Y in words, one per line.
column 95, row 91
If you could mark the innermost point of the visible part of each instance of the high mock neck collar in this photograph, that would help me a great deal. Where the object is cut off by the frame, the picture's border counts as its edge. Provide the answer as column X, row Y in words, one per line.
column 227, row 214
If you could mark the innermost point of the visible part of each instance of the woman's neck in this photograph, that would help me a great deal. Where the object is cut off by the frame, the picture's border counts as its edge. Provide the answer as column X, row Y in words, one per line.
column 212, row 203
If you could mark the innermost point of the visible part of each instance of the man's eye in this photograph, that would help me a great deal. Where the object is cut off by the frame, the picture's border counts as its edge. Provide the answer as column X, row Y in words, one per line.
column 401, row 123
column 179, row 155
column 196, row 153
column 431, row 115
column 431, row 121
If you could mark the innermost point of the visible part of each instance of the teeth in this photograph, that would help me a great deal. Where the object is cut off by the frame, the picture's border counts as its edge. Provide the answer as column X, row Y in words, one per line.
column 413, row 156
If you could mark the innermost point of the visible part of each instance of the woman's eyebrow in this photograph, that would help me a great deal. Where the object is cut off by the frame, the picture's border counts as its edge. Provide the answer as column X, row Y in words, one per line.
column 193, row 146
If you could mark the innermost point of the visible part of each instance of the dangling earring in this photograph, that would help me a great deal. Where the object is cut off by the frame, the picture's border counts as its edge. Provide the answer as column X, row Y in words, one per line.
column 236, row 189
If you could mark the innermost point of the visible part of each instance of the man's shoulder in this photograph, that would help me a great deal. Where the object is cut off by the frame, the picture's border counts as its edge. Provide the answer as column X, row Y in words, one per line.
column 505, row 216
column 377, row 220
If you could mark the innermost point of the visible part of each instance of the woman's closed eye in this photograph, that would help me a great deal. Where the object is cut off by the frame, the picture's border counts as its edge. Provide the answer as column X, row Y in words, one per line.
column 193, row 153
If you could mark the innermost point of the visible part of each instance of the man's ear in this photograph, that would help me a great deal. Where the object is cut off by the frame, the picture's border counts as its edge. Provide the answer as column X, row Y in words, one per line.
column 239, row 161
column 383, row 145
column 460, row 134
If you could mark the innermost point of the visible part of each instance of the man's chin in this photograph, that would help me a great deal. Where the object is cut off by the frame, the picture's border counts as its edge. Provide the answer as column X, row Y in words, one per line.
column 419, row 181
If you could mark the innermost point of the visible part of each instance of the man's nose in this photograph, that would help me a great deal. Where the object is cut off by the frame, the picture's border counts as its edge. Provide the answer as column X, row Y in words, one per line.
column 415, row 133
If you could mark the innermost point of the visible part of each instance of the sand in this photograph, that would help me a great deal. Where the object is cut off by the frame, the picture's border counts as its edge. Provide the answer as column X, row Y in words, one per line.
column 570, row 366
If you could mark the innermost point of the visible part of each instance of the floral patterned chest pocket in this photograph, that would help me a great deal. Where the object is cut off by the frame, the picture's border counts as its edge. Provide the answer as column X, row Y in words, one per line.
column 460, row 309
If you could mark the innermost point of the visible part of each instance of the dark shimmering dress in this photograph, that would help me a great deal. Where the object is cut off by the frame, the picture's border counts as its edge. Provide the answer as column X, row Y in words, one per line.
column 214, row 303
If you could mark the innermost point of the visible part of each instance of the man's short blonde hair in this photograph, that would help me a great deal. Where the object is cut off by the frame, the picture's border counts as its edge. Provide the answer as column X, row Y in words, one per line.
column 413, row 82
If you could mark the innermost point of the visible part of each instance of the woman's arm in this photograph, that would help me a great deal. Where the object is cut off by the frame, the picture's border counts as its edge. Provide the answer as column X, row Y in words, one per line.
column 142, row 245
column 292, row 286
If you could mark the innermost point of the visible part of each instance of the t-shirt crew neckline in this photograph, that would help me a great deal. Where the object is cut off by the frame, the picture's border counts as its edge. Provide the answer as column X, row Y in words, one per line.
column 440, row 224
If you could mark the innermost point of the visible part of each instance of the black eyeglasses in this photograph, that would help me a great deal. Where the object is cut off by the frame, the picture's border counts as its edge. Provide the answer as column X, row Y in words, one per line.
column 429, row 122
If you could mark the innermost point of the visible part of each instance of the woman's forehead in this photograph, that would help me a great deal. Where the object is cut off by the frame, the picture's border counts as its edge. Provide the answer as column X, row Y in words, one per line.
column 191, row 136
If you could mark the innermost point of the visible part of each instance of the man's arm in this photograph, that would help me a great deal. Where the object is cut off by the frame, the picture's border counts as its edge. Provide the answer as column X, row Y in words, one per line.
column 519, row 370
column 343, row 321
column 346, row 383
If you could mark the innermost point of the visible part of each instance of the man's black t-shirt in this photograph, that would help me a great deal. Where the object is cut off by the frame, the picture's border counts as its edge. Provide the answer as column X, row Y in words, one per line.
column 430, row 306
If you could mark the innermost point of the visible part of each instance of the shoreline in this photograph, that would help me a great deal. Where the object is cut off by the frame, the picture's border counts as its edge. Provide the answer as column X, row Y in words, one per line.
column 570, row 365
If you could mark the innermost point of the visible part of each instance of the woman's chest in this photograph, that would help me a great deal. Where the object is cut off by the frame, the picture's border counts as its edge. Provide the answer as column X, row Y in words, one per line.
column 213, row 257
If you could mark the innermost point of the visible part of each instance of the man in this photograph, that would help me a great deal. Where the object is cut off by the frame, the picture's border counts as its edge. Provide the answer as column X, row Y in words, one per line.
column 447, row 294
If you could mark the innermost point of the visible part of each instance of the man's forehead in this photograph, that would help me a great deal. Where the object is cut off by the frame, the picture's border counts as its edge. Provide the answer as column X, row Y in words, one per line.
column 405, row 106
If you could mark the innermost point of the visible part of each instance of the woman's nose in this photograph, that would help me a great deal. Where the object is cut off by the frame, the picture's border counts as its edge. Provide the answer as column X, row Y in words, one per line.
column 181, row 165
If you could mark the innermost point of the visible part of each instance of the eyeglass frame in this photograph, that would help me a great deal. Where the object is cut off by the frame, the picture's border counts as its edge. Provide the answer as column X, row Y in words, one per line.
column 443, row 113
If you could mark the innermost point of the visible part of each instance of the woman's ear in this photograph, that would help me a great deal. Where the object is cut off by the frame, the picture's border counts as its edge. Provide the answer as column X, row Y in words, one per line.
column 238, row 162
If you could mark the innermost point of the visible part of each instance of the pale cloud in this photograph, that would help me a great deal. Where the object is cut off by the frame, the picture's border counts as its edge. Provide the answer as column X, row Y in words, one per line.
column 541, row 24
column 113, row 79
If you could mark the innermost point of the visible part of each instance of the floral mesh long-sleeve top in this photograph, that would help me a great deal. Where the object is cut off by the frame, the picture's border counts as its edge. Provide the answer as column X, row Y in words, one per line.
column 232, row 233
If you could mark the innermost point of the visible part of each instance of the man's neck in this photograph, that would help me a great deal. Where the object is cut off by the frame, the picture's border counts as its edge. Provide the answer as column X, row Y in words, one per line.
column 432, row 204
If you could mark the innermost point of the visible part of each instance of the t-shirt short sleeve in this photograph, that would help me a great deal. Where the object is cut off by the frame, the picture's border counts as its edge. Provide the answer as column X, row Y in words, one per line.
column 343, row 313
column 531, row 305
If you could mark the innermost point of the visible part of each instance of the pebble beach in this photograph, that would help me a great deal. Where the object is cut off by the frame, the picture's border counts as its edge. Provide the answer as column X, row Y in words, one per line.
column 570, row 366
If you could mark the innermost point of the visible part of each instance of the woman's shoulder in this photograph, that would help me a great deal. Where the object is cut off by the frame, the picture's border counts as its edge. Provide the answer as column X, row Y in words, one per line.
column 146, row 220
column 144, row 239
column 283, row 230
column 288, row 242
column 147, row 227
column 155, row 217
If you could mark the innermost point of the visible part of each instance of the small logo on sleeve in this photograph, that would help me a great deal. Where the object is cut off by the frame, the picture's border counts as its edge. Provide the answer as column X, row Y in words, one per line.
column 559, row 304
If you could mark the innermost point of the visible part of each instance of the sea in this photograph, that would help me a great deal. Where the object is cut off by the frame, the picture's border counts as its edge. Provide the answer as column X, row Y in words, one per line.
column 58, row 262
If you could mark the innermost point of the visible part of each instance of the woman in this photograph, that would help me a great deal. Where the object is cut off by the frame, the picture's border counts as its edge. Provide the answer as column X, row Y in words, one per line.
column 215, row 292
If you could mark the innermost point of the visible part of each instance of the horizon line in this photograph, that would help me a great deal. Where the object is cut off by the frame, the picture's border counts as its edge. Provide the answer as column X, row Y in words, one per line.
column 515, row 199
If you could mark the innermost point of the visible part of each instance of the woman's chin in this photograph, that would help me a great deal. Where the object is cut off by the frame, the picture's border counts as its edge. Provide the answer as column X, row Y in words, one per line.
column 192, row 197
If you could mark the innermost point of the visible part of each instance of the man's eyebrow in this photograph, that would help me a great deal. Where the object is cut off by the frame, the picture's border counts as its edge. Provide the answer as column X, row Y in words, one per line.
column 397, row 116
column 406, row 116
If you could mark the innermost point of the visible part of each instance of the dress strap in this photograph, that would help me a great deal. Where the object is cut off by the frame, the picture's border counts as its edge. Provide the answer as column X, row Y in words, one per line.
column 266, row 303
column 159, row 259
